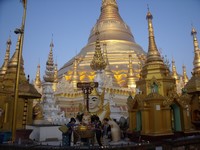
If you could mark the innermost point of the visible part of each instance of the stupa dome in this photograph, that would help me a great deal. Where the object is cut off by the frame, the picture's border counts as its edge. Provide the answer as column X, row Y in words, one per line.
column 120, row 44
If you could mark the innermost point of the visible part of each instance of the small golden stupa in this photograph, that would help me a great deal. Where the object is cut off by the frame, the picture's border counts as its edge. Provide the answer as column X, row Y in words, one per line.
column 193, row 85
column 157, row 109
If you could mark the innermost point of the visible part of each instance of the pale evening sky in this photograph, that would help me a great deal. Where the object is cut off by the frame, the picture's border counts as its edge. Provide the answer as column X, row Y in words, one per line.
column 70, row 22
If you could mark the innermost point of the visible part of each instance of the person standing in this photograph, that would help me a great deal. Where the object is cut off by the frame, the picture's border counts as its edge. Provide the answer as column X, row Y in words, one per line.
column 67, row 136
column 98, row 129
column 106, row 130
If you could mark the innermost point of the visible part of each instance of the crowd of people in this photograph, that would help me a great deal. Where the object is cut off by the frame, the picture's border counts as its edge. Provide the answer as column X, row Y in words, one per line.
column 102, row 130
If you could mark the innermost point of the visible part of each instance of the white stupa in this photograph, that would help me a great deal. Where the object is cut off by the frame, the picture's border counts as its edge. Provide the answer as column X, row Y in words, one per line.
column 51, row 111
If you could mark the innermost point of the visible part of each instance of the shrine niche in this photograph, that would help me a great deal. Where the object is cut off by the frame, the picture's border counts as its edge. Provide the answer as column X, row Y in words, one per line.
column 154, row 86
column 196, row 114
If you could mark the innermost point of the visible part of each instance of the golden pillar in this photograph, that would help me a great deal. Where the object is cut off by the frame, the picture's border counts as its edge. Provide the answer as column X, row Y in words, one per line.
column 132, row 120
column 186, row 120
column 166, row 119
column 145, row 120
column 16, row 90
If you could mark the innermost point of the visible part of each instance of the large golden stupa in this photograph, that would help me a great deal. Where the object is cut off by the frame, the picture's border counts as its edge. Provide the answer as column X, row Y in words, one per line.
column 116, row 38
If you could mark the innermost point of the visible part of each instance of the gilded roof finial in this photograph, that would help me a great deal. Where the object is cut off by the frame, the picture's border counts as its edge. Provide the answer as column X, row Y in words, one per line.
column 195, row 41
column 105, row 56
column 56, row 72
column 130, row 66
column 75, row 73
column 109, row 10
column 37, row 79
column 153, row 54
column 131, row 81
column 13, row 61
column 55, row 82
column 185, row 77
column 196, row 61
column 49, row 72
column 109, row 2
column 98, row 62
column 4, row 67
column 174, row 72
column 111, row 24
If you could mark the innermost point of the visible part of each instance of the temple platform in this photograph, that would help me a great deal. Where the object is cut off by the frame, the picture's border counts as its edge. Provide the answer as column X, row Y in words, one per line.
column 42, row 133
column 189, row 142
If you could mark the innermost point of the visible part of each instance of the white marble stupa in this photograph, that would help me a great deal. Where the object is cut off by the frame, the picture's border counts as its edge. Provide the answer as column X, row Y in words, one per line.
column 51, row 111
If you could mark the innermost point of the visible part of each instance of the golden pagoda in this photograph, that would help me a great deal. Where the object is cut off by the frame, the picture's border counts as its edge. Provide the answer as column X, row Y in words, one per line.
column 4, row 67
column 174, row 72
column 157, row 109
column 38, row 82
column 26, row 91
column 75, row 79
column 185, row 77
column 120, row 43
column 16, row 106
column 179, row 80
column 112, row 43
column 193, row 85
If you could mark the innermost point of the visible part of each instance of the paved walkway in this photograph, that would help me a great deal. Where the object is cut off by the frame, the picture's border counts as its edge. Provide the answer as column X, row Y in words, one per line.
column 59, row 143
column 111, row 145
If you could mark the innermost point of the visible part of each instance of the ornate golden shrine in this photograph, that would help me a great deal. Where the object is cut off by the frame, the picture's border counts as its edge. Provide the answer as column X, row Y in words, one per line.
column 16, row 93
column 157, row 109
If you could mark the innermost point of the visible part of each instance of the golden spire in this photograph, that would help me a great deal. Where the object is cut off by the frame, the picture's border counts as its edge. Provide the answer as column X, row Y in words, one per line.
column 107, row 69
column 75, row 73
column 37, row 79
column 98, row 62
column 13, row 61
column 109, row 10
column 195, row 41
column 56, row 73
column 12, row 69
column 185, row 77
column 196, row 61
column 131, row 81
column 107, row 2
column 174, row 72
column 4, row 67
column 49, row 72
column 55, row 77
column 153, row 54
column 111, row 25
